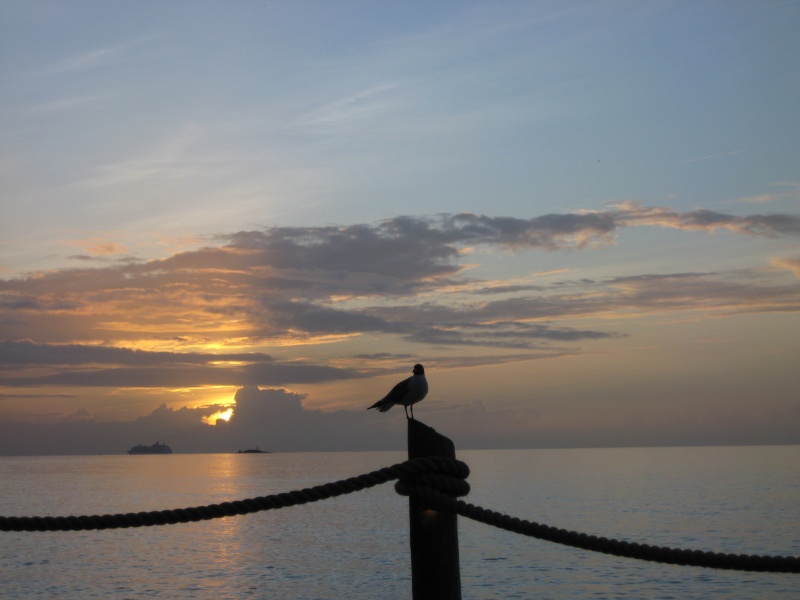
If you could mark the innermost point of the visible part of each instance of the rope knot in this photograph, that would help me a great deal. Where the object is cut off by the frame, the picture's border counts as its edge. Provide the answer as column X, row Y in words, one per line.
column 432, row 477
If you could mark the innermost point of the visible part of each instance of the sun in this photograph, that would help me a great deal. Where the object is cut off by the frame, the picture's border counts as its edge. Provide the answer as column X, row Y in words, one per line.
column 222, row 414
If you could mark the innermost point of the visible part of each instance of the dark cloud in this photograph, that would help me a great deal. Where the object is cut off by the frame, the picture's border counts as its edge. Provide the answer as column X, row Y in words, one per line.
column 508, row 334
column 392, row 249
column 772, row 225
column 545, row 232
column 508, row 289
column 377, row 356
column 30, row 353
column 177, row 377
column 418, row 248
column 34, row 396
column 319, row 319
column 83, row 258
column 77, row 365
column 765, row 225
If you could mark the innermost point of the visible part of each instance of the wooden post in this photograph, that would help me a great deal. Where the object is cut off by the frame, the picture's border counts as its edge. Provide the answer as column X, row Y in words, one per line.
column 435, row 570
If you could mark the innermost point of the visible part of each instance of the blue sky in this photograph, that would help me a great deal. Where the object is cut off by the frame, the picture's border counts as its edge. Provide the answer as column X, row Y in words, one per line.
column 631, row 169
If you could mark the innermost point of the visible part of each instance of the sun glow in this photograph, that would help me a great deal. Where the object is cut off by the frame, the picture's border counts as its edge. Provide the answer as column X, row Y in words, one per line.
column 223, row 414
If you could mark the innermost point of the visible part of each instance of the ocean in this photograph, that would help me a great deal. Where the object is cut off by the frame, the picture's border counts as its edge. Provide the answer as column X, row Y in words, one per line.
column 724, row 499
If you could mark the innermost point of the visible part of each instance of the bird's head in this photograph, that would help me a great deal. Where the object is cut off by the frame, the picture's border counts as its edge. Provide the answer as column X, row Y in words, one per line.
column 419, row 370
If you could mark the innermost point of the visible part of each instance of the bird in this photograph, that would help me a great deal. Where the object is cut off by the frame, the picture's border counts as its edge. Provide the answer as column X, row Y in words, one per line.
column 408, row 392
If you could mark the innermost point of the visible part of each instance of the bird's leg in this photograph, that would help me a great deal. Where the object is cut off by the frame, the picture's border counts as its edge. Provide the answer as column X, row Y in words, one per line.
column 412, row 412
column 405, row 408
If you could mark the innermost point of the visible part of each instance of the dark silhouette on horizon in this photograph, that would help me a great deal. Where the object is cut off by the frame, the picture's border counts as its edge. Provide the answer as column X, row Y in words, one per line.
column 157, row 448
column 255, row 450
column 408, row 392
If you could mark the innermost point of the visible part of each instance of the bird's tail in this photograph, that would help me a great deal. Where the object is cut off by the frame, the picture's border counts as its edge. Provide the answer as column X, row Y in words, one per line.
column 382, row 405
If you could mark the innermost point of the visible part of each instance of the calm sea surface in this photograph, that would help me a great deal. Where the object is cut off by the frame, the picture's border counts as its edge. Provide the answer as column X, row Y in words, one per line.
column 742, row 500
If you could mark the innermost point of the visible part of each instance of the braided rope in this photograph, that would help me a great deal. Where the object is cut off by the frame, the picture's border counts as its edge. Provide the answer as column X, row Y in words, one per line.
column 438, row 481
column 661, row 554
column 410, row 470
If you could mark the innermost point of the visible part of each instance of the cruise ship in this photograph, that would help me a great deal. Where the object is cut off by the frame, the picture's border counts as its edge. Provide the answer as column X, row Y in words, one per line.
column 156, row 448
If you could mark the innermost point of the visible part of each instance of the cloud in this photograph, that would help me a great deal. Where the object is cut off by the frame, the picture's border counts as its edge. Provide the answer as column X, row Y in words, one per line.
column 99, row 247
column 719, row 293
column 503, row 334
column 275, row 419
column 762, row 198
column 395, row 252
column 86, row 60
column 130, row 322
column 366, row 105
column 87, row 366
column 320, row 320
column 28, row 396
column 791, row 190
column 770, row 225
column 413, row 250
column 84, row 258
column 30, row 353
column 790, row 264
column 272, row 418
column 92, row 59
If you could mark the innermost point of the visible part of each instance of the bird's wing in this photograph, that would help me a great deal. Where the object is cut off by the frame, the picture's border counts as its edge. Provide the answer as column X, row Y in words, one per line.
column 397, row 393
column 395, row 396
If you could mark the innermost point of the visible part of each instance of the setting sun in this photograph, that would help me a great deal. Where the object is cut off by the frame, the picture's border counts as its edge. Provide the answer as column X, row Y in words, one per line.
column 223, row 414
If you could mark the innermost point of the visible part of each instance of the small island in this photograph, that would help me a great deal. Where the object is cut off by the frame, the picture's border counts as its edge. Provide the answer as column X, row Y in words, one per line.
column 257, row 450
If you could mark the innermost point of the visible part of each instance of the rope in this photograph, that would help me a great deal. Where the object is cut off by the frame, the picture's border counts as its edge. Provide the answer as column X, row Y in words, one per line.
column 437, row 481
column 419, row 469
column 661, row 554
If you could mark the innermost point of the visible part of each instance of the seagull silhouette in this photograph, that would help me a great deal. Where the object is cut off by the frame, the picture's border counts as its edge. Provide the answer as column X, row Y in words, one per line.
column 408, row 392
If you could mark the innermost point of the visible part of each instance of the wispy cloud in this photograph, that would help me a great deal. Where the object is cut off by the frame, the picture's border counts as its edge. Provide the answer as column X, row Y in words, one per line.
column 793, row 192
column 86, row 60
column 791, row 264
column 365, row 105
column 91, row 59
column 761, row 198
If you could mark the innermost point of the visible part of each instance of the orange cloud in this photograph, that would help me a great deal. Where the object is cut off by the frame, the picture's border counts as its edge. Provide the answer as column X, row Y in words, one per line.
column 790, row 264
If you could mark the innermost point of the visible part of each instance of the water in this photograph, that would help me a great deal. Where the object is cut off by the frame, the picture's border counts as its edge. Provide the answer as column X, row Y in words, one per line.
column 742, row 500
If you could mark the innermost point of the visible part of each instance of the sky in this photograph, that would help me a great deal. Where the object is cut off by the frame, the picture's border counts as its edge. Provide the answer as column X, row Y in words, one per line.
column 230, row 224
